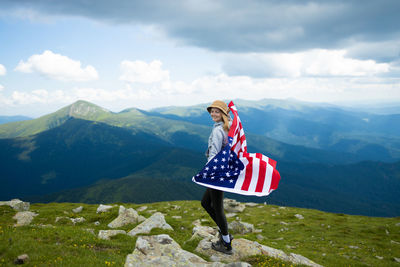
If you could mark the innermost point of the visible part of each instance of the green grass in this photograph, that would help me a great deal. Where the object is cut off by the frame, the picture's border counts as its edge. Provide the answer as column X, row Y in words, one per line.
column 326, row 238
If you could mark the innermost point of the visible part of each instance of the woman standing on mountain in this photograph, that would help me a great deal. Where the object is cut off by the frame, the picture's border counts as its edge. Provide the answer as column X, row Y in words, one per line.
column 213, row 199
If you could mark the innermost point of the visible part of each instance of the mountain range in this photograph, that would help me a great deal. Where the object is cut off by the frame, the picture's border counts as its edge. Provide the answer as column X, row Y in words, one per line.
column 85, row 153
column 7, row 119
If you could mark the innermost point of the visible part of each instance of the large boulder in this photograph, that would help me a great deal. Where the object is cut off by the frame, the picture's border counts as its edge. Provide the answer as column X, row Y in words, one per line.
column 243, row 248
column 125, row 216
column 162, row 250
column 24, row 218
column 232, row 206
column 157, row 220
column 16, row 204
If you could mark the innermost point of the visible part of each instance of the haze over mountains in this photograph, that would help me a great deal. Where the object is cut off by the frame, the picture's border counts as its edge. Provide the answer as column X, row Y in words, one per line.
column 85, row 153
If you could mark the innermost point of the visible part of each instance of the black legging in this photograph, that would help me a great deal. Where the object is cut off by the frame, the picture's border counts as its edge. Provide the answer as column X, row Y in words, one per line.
column 213, row 203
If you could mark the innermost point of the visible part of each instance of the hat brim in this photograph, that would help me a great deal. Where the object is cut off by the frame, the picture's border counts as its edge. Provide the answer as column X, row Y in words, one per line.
column 214, row 106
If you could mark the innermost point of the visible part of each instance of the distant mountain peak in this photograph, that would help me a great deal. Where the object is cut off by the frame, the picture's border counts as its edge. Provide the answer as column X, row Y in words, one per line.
column 84, row 109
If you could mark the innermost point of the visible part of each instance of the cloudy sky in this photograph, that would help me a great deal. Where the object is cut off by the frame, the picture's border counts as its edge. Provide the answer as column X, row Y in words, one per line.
column 125, row 53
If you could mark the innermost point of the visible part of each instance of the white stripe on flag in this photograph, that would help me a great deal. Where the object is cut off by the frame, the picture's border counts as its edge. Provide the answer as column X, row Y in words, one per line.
column 241, row 132
column 237, row 148
column 234, row 140
column 242, row 174
column 244, row 144
column 255, row 173
column 268, row 178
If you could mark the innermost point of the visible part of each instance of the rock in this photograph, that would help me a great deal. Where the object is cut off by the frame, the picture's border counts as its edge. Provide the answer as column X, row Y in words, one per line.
column 196, row 222
column 241, row 227
column 96, row 223
column 251, row 204
column 24, row 218
column 103, row 208
column 21, row 259
column 231, row 205
column 77, row 220
column 177, row 217
column 157, row 220
column 397, row 224
column 142, row 208
column 78, row 209
column 260, row 237
column 106, row 234
column 141, row 218
column 73, row 220
column 394, row 242
column 354, row 247
column 230, row 215
column 284, row 223
column 379, row 257
column 396, row 259
column 299, row 216
column 16, row 204
column 299, row 259
column 243, row 248
column 125, row 216
column 203, row 232
column 162, row 250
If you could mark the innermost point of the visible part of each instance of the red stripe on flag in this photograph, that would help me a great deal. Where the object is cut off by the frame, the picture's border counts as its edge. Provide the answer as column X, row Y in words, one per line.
column 233, row 147
column 248, row 175
column 261, row 173
column 272, row 162
column 242, row 139
column 232, row 130
column 275, row 180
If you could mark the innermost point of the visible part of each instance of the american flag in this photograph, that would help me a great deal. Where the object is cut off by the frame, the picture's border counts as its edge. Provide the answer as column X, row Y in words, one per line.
column 235, row 170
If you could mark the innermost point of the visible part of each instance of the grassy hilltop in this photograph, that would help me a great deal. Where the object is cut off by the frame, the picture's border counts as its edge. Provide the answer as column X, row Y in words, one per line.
column 326, row 238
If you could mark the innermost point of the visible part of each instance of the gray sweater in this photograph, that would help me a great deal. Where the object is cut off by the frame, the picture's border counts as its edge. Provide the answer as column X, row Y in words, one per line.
column 218, row 139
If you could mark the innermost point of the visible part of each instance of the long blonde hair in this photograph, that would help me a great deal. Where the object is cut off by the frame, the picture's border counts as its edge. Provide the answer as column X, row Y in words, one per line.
column 225, row 119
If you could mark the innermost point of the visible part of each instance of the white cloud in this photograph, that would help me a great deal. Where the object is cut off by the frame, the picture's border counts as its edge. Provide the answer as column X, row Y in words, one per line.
column 207, row 88
column 3, row 70
column 57, row 67
column 1, row 87
column 318, row 62
column 142, row 72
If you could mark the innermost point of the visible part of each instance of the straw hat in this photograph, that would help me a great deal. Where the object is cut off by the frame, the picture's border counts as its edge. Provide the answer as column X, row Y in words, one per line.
column 220, row 105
